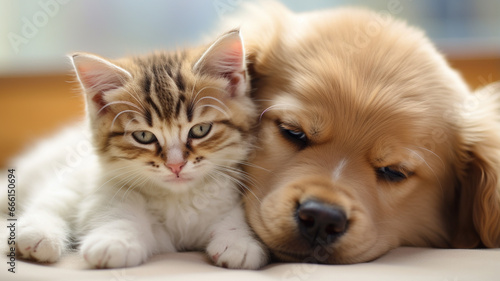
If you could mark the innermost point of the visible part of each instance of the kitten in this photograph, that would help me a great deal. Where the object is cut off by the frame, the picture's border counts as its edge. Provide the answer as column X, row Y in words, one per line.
column 168, row 134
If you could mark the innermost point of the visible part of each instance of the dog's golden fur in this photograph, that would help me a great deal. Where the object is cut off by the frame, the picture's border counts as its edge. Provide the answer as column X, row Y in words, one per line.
column 369, row 92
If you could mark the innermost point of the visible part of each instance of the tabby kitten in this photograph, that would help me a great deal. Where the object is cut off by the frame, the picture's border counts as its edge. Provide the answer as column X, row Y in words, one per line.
column 169, row 132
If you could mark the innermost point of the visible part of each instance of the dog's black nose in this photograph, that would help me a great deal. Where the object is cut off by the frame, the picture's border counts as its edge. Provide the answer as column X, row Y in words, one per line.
column 321, row 223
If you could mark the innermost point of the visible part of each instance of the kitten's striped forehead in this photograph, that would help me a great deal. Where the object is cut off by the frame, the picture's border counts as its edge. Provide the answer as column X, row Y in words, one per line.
column 163, row 81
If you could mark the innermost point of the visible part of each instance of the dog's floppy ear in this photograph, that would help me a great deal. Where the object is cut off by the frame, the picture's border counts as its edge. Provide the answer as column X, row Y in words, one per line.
column 478, row 221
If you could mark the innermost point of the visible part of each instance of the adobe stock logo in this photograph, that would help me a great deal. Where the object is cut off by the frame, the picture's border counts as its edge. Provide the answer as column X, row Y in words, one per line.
column 31, row 27
column 224, row 6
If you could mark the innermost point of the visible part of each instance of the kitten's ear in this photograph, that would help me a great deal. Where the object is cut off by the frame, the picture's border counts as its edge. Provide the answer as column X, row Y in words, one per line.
column 98, row 76
column 226, row 58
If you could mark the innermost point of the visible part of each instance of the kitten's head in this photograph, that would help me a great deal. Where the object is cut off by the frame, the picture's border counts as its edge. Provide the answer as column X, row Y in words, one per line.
column 170, row 119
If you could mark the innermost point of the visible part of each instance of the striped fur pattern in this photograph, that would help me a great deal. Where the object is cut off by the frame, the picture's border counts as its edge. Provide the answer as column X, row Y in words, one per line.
column 168, row 99
column 170, row 131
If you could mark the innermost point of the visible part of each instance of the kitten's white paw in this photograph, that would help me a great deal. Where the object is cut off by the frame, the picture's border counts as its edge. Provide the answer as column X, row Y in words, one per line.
column 102, row 251
column 39, row 244
column 233, row 251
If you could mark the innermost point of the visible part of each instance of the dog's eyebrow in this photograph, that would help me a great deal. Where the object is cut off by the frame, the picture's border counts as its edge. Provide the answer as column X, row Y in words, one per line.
column 292, row 119
column 290, row 123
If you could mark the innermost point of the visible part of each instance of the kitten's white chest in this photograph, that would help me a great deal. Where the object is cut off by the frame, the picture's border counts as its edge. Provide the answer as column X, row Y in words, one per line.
column 186, row 219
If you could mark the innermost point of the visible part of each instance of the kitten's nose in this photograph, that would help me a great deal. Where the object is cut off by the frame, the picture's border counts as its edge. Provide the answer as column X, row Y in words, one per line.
column 176, row 167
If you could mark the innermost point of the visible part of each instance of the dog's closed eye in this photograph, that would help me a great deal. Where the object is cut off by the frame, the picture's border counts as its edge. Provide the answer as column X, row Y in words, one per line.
column 392, row 173
column 294, row 135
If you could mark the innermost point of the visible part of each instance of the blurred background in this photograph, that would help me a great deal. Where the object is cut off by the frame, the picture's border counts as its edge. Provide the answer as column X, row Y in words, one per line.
column 36, row 96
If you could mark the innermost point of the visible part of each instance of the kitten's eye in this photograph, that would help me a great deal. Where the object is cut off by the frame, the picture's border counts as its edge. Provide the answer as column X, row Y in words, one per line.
column 296, row 136
column 144, row 137
column 392, row 174
column 200, row 130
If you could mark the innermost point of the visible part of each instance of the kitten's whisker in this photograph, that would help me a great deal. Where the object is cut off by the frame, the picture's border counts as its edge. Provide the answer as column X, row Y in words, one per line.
column 196, row 95
column 142, row 183
column 238, row 182
column 132, row 186
column 232, row 168
column 125, row 181
column 246, row 163
column 266, row 110
column 119, row 102
column 192, row 90
column 107, row 86
column 125, row 177
column 215, row 99
column 217, row 108
column 125, row 111
column 221, row 176
column 118, row 175
column 125, row 130
column 245, row 176
column 136, row 98
column 276, row 106
column 212, row 178
column 201, row 90
column 256, row 184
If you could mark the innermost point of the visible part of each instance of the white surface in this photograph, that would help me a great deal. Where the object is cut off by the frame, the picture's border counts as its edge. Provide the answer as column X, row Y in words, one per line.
column 400, row 264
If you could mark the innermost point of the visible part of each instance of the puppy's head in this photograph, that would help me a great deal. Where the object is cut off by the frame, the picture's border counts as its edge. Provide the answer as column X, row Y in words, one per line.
column 365, row 143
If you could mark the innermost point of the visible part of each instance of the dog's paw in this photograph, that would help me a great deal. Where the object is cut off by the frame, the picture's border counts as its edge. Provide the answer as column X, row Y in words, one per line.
column 237, row 252
column 104, row 251
column 40, row 245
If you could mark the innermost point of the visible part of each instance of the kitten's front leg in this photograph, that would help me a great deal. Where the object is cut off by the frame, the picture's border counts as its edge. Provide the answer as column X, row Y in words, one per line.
column 233, row 244
column 114, row 245
column 120, row 237
column 42, row 236
column 44, row 226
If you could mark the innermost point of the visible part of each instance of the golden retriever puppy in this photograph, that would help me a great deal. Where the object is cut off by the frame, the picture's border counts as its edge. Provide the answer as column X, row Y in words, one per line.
column 367, row 141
